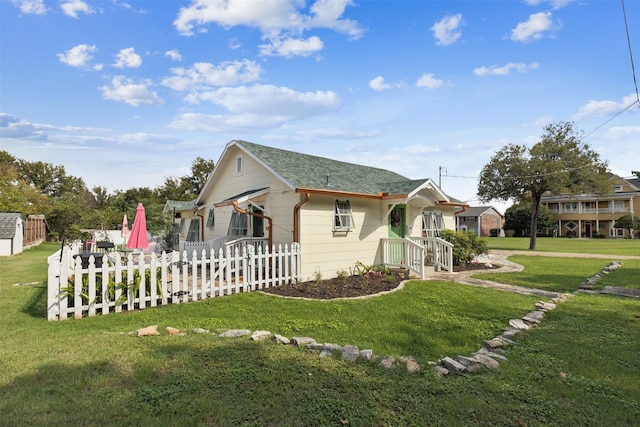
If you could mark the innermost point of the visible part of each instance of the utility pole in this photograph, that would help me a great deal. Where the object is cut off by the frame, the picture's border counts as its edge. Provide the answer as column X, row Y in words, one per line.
column 440, row 169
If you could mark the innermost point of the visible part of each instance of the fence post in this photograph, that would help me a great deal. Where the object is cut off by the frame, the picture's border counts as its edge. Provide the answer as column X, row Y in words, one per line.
column 91, row 287
column 77, row 290
column 54, row 279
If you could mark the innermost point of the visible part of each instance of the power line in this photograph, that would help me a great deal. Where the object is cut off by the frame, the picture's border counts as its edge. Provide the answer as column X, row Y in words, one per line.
column 633, row 69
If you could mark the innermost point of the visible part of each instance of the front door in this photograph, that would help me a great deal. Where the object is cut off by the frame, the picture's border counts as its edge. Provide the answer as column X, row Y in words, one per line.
column 587, row 229
column 397, row 222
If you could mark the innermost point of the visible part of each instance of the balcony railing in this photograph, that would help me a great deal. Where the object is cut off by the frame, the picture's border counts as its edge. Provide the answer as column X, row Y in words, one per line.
column 623, row 209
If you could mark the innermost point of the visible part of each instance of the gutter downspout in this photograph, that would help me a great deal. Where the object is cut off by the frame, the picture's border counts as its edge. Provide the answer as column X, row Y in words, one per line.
column 247, row 212
column 296, row 219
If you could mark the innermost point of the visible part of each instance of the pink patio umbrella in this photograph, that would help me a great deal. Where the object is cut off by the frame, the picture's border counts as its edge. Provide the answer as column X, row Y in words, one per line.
column 125, row 228
column 138, row 238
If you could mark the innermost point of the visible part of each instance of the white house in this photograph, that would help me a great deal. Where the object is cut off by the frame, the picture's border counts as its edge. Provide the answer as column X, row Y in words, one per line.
column 339, row 212
column 11, row 234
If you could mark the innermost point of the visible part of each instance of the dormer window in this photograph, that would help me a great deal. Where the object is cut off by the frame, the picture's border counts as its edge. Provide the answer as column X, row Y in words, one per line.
column 617, row 188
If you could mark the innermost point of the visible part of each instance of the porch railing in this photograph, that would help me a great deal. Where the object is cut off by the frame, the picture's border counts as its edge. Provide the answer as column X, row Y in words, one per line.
column 416, row 253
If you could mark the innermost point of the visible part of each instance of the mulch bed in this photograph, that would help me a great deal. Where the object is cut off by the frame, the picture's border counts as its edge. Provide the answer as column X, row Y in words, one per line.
column 350, row 286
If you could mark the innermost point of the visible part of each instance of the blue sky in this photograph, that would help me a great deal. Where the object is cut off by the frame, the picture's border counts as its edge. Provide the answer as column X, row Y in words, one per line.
column 127, row 93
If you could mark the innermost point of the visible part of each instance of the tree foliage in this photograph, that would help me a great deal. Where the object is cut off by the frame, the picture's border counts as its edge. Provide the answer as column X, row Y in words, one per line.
column 559, row 164
column 629, row 222
column 43, row 188
column 518, row 218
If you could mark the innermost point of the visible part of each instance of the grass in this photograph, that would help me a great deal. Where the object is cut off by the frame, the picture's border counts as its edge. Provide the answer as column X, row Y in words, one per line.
column 587, row 246
column 579, row 368
column 626, row 276
column 549, row 273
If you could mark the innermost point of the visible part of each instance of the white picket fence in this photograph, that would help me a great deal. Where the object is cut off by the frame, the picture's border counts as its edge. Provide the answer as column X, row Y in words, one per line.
column 114, row 283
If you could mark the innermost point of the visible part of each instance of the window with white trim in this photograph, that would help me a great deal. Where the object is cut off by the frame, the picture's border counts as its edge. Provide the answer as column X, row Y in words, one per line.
column 343, row 217
column 237, row 225
column 432, row 223
column 617, row 188
column 211, row 219
column 182, row 223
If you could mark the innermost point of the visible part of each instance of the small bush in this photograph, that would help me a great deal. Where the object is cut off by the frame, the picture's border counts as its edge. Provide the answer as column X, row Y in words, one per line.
column 466, row 245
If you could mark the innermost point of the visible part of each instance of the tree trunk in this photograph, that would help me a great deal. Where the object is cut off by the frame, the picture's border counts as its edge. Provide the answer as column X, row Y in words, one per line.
column 533, row 230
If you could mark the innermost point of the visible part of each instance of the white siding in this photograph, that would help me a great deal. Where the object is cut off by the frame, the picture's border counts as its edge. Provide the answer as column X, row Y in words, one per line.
column 278, row 202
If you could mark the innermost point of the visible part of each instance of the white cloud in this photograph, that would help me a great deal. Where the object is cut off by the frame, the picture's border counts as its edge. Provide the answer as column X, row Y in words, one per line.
column 446, row 31
column 32, row 7
column 624, row 132
column 555, row 4
column 504, row 70
column 271, row 100
column 429, row 81
column 281, row 21
column 256, row 107
column 267, row 15
column 379, row 85
column 204, row 75
column 127, row 58
column 173, row 54
column 532, row 29
column 13, row 128
column 603, row 108
column 73, row 7
column 125, row 90
column 78, row 56
column 292, row 47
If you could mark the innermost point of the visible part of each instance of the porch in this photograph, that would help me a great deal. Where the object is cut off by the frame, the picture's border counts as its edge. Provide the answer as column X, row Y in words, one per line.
column 416, row 254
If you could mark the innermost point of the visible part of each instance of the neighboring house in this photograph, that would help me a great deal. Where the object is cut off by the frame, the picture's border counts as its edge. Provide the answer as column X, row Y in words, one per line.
column 11, row 234
column 182, row 213
column 586, row 215
column 339, row 212
column 480, row 220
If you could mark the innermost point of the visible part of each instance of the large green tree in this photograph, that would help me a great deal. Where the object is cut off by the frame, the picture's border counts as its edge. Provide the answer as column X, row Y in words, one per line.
column 630, row 222
column 518, row 218
column 561, row 163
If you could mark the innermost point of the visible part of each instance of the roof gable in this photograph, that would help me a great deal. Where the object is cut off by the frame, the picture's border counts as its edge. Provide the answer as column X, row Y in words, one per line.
column 8, row 223
column 479, row 211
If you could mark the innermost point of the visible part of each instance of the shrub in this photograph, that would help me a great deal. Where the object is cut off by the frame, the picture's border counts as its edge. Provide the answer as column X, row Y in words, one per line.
column 466, row 245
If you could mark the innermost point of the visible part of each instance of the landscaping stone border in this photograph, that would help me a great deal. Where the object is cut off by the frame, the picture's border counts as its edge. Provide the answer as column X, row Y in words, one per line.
column 489, row 356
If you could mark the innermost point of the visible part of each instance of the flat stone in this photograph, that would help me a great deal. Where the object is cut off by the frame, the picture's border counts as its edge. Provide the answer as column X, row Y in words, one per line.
column 545, row 306
column 350, row 353
column 441, row 371
column 493, row 343
column 235, row 333
column 199, row 331
column 470, row 363
column 366, row 354
column 487, row 361
column 536, row 314
column 172, row 331
column 302, row 341
column 148, row 331
column 333, row 347
column 279, row 339
column 518, row 324
column 412, row 365
column 510, row 332
column 260, row 335
column 494, row 355
column 326, row 353
column 453, row 366
column 388, row 362
column 315, row 347
column 624, row 292
column 530, row 321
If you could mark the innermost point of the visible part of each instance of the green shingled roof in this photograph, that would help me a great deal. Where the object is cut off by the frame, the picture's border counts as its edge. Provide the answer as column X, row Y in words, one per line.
column 306, row 171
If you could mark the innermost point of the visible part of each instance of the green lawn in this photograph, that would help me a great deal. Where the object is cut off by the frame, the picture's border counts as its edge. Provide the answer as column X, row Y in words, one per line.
column 579, row 368
column 549, row 273
column 587, row 246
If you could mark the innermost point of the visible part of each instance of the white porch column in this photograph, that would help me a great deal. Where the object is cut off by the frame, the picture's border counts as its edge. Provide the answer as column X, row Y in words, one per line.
column 579, row 228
